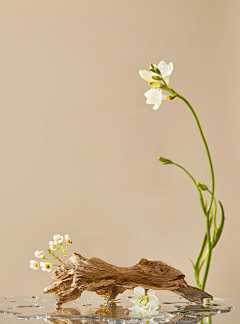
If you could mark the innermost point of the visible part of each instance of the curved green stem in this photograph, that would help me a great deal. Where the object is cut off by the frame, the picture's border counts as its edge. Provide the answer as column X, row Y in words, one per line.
column 195, row 182
column 205, row 144
column 212, row 193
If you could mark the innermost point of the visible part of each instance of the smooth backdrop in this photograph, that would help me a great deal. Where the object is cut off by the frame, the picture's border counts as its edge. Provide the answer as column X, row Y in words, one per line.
column 79, row 145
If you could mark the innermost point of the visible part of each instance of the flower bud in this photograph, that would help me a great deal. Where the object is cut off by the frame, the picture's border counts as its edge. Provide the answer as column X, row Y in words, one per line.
column 202, row 186
column 157, row 70
column 146, row 75
column 155, row 84
column 164, row 160
column 156, row 77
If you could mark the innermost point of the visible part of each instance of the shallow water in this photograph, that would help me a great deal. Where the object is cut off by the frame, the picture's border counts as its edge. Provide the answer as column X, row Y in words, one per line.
column 87, row 310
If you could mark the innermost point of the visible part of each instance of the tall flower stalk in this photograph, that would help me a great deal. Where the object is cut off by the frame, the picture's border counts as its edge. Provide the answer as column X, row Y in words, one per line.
column 158, row 79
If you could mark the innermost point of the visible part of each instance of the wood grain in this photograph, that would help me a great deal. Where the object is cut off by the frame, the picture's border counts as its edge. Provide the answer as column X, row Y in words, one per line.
column 78, row 274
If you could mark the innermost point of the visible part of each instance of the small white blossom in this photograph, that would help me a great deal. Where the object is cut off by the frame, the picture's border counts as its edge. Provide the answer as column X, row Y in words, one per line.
column 166, row 70
column 46, row 266
column 58, row 239
column 34, row 265
column 39, row 254
column 144, row 305
column 67, row 239
column 155, row 97
column 146, row 75
column 52, row 245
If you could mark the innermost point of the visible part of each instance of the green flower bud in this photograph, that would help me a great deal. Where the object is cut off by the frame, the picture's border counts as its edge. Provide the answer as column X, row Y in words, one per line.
column 164, row 160
column 202, row 186
column 152, row 70
column 156, row 70
column 156, row 77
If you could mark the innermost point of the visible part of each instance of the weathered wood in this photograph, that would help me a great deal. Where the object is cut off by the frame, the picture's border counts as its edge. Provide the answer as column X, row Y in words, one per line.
column 78, row 274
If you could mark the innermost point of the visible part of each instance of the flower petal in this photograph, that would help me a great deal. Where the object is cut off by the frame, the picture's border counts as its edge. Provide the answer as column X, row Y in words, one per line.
column 151, row 101
column 166, row 80
column 146, row 75
column 134, row 299
column 151, row 292
column 153, row 304
column 139, row 291
column 163, row 67
column 151, row 93
column 156, row 106
column 170, row 66
column 164, row 97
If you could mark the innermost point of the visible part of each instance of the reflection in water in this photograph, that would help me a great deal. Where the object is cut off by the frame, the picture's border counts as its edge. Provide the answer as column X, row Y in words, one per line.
column 63, row 312
column 94, row 310
column 113, row 311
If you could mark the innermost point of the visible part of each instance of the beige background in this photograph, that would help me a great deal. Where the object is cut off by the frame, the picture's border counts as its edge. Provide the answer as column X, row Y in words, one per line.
column 79, row 145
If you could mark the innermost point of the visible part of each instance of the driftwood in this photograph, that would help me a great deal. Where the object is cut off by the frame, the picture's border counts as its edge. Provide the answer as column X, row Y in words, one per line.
column 78, row 274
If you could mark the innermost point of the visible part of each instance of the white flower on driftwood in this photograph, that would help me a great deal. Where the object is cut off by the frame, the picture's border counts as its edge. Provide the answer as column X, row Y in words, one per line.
column 144, row 305
column 39, row 254
column 46, row 266
column 58, row 239
column 67, row 239
column 34, row 265
column 52, row 245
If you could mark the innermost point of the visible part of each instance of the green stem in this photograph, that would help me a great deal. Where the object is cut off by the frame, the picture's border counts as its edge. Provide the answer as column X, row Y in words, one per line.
column 49, row 261
column 202, row 251
column 194, row 181
column 209, row 253
column 212, row 192
column 205, row 144
column 54, row 255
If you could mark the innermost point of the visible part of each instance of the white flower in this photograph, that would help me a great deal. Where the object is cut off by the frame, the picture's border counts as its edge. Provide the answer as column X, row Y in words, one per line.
column 155, row 97
column 34, row 265
column 67, row 239
column 146, row 75
column 52, row 245
column 144, row 305
column 46, row 266
column 39, row 254
column 58, row 239
column 166, row 70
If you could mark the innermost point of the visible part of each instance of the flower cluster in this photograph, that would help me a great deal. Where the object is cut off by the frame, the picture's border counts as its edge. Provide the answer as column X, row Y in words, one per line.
column 56, row 244
column 158, row 79
column 144, row 305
